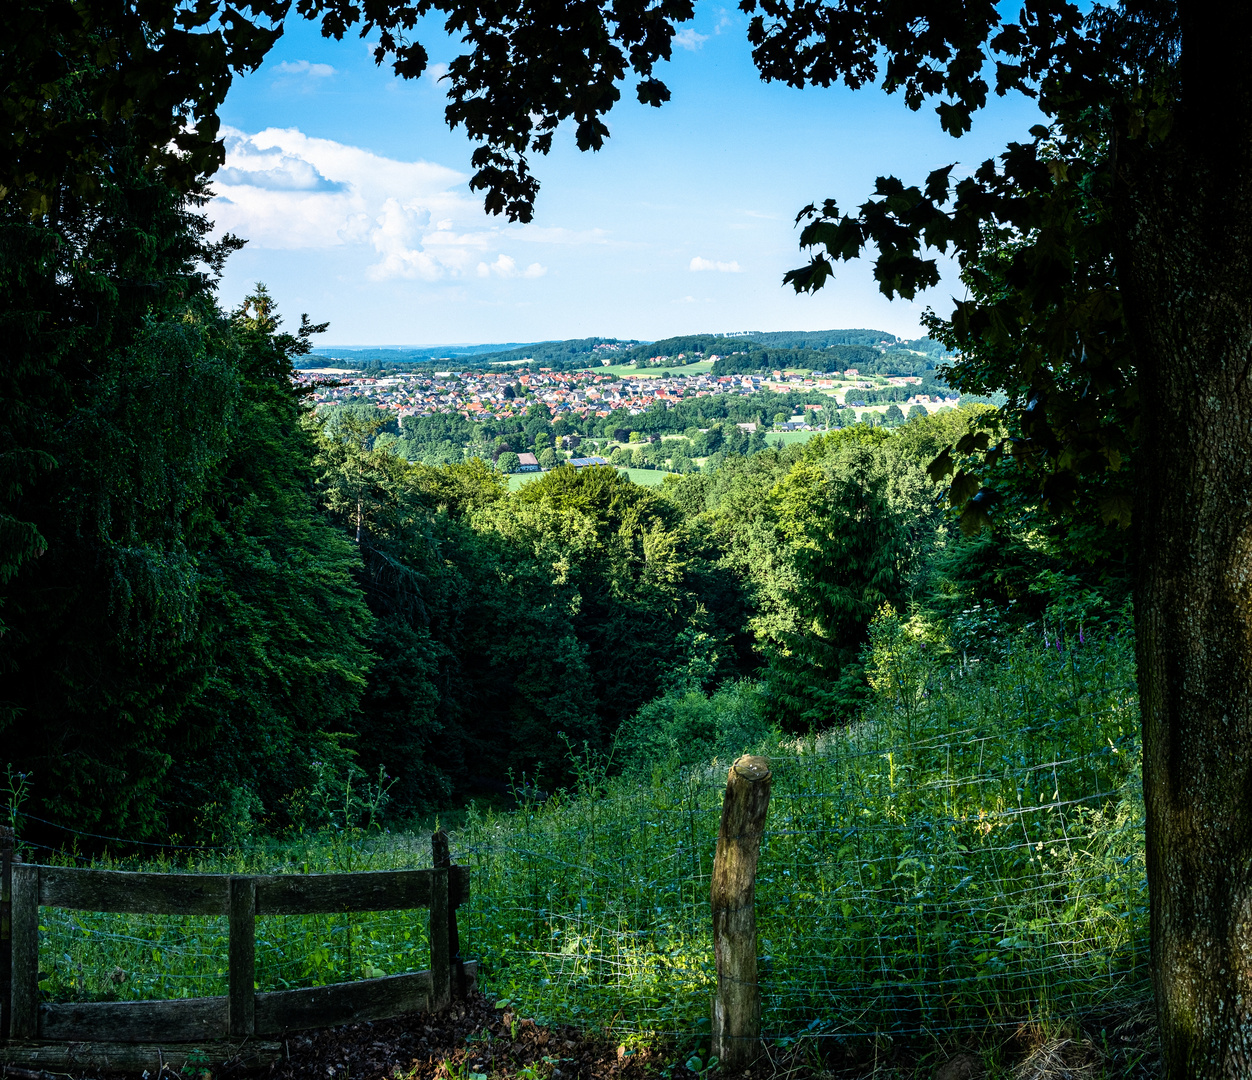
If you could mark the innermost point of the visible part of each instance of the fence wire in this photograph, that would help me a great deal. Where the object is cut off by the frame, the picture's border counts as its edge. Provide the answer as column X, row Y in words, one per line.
column 969, row 854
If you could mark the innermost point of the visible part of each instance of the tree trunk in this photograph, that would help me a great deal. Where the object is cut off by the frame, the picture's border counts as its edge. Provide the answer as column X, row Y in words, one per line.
column 1186, row 267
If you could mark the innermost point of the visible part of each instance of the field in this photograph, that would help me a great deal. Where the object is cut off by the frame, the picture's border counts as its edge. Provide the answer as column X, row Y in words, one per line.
column 629, row 371
column 968, row 855
column 773, row 438
column 647, row 477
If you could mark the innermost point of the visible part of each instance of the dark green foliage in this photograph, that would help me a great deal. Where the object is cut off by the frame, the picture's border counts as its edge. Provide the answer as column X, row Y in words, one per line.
column 156, row 467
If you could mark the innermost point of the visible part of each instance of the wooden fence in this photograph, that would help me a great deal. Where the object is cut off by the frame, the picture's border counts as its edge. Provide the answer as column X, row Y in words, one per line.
column 244, row 1024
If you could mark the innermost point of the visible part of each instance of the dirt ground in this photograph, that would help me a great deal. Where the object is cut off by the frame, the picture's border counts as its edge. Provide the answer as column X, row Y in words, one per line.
column 474, row 1040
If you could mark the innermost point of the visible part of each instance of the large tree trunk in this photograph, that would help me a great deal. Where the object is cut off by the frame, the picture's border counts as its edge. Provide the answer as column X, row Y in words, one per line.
column 1186, row 266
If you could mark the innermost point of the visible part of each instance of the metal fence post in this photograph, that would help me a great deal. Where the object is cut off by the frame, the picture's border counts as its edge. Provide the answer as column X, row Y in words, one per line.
column 736, row 1021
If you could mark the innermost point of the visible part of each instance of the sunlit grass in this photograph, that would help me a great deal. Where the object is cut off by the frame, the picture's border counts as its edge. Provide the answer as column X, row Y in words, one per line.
column 970, row 852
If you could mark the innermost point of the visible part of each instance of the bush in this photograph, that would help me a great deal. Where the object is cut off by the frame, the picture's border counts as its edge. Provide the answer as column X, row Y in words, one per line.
column 689, row 727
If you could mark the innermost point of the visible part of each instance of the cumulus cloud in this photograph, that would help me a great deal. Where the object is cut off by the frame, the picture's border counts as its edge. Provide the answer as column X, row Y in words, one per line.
column 506, row 267
column 687, row 38
column 283, row 189
column 698, row 263
column 292, row 69
column 435, row 72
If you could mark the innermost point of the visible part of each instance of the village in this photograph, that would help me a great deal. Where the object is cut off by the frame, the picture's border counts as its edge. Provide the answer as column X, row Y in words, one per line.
column 498, row 395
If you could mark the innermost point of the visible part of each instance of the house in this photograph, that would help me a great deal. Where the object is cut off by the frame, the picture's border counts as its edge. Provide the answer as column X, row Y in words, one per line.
column 527, row 463
column 583, row 462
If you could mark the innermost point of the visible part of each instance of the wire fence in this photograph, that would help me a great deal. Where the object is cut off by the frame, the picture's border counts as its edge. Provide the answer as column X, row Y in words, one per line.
column 970, row 853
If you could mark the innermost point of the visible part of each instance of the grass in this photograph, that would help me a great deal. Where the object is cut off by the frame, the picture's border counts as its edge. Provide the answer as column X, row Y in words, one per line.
column 789, row 437
column 629, row 371
column 968, row 854
column 516, row 480
column 648, row 477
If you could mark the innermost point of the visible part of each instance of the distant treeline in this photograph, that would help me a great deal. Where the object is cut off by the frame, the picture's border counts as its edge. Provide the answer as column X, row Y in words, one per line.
column 870, row 351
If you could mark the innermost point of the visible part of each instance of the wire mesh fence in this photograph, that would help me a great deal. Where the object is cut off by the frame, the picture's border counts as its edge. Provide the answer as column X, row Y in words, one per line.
column 968, row 854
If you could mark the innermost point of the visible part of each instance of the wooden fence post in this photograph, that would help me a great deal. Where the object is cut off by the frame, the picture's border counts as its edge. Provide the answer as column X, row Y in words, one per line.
column 241, row 977
column 440, row 954
column 737, row 1006
column 6, row 926
column 456, row 966
column 24, row 942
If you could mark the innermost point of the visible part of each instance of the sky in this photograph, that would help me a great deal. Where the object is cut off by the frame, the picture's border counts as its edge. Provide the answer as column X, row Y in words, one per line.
column 354, row 198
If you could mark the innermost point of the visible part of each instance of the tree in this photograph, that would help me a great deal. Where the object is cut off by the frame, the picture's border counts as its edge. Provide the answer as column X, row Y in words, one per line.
column 893, row 417
column 508, row 462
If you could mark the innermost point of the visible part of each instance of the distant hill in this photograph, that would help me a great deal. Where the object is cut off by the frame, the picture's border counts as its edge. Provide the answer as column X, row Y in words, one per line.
column 869, row 351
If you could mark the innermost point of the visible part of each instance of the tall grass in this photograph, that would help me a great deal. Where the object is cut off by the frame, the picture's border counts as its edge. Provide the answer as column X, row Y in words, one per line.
column 970, row 852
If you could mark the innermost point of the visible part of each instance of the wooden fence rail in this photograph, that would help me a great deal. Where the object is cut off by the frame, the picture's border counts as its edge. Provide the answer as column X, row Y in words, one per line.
column 132, row 1033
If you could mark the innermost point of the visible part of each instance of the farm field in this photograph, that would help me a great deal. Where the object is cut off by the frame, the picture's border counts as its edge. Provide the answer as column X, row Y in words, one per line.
column 647, row 477
column 786, row 438
column 630, row 371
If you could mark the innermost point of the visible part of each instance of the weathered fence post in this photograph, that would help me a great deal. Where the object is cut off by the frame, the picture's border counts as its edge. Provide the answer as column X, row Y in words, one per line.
column 6, row 926
column 241, row 973
column 440, row 911
column 456, row 966
column 24, row 945
column 737, row 1006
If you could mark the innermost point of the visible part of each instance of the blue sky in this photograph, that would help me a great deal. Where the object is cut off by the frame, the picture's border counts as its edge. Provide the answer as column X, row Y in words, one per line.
column 353, row 195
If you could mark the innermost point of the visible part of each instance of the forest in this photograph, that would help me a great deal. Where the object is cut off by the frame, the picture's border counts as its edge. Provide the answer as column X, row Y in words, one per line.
column 217, row 604
column 872, row 352
column 228, row 612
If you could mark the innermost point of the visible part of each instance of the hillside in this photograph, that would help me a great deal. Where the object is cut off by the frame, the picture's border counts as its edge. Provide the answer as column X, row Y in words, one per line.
column 870, row 351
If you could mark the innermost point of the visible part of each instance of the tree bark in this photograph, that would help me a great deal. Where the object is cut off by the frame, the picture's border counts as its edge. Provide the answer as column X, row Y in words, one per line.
column 1185, row 262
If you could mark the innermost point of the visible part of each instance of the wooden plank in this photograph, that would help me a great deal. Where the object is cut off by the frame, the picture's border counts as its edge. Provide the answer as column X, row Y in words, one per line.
column 736, row 1021
column 24, row 988
column 185, row 1020
column 371, row 890
column 132, row 893
column 241, row 975
column 137, row 1057
column 342, row 1003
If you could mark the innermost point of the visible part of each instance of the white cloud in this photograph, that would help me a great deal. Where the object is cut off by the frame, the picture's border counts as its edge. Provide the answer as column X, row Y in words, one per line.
column 698, row 263
column 687, row 38
column 282, row 189
column 435, row 72
column 506, row 267
column 305, row 68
